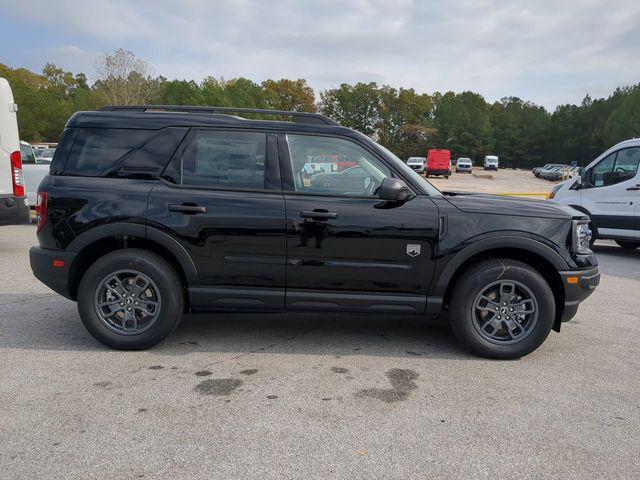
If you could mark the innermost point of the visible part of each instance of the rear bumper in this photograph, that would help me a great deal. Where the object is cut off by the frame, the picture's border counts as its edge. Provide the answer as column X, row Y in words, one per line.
column 578, row 290
column 53, row 275
column 13, row 210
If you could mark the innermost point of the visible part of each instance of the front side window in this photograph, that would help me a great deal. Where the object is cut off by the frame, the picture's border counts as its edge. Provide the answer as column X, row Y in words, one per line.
column 614, row 168
column 225, row 159
column 334, row 166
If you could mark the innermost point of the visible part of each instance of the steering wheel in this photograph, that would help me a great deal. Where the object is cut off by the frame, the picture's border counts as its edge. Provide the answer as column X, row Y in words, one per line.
column 620, row 170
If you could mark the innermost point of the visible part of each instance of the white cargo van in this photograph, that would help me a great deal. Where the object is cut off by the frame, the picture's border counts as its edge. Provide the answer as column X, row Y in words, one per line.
column 608, row 190
column 491, row 162
column 14, row 206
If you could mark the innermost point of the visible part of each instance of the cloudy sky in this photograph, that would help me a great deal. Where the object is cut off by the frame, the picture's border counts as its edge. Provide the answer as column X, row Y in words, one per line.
column 550, row 52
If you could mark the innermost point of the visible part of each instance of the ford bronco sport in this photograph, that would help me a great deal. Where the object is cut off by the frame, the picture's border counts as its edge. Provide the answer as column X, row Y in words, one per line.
column 152, row 211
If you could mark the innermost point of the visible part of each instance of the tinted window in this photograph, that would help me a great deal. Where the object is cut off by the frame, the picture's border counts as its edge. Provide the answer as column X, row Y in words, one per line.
column 97, row 149
column 614, row 168
column 225, row 159
column 334, row 166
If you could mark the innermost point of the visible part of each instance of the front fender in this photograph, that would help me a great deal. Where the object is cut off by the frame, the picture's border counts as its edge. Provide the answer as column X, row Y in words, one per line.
column 452, row 262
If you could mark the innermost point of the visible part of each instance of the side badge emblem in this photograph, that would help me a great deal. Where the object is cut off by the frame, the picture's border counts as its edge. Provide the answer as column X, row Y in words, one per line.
column 413, row 250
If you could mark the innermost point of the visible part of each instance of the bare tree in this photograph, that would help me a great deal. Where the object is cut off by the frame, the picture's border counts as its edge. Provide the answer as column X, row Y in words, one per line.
column 124, row 79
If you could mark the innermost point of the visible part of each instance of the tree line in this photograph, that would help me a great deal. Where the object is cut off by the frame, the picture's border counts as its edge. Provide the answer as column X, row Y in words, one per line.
column 520, row 132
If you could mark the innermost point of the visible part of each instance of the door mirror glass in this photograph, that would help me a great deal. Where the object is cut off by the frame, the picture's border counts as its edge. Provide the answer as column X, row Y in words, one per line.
column 394, row 190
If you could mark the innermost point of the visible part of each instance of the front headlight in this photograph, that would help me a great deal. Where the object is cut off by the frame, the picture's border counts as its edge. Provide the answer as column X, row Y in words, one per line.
column 581, row 236
column 554, row 190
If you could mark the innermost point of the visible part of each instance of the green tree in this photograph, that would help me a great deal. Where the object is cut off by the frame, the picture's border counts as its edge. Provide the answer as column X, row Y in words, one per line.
column 290, row 95
column 354, row 106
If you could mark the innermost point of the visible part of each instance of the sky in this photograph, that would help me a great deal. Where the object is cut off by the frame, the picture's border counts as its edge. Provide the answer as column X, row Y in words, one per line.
column 548, row 52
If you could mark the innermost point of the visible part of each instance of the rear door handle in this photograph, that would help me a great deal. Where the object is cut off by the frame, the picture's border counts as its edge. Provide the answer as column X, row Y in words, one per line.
column 187, row 209
column 637, row 187
column 318, row 214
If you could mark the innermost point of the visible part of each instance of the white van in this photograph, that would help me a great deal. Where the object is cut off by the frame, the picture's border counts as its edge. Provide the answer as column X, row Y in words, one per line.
column 14, row 205
column 491, row 162
column 609, row 192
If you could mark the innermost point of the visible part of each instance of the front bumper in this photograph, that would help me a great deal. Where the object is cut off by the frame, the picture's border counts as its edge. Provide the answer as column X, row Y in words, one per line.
column 578, row 285
column 52, row 267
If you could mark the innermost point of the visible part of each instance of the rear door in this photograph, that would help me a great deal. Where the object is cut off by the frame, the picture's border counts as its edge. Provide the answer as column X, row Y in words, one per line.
column 220, row 197
column 346, row 249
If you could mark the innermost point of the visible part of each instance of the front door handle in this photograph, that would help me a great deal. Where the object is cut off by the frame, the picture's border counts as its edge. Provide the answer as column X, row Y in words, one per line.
column 637, row 187
column 187, row 209
column 318, row 214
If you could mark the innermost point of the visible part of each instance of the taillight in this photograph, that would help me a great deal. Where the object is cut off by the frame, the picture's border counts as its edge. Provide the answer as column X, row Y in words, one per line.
column 41, row 210
column 16, row 174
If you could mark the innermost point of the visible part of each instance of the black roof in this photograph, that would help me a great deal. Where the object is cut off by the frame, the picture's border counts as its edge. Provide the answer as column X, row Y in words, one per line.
column 160, row 116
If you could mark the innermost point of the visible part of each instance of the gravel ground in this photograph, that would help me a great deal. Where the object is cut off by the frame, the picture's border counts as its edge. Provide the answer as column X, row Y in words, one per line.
column 315, row 396
column 502, row 181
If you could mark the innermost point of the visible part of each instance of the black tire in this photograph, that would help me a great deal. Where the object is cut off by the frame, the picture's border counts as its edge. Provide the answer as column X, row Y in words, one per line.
column 474, row 281
column 630, row 244
column 155, row 268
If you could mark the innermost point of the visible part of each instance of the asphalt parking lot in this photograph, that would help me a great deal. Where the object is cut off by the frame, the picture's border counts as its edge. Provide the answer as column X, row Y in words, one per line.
column 315, row 396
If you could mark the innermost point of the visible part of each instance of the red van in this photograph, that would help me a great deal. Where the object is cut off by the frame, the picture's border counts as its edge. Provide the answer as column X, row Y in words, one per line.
column 438, row 162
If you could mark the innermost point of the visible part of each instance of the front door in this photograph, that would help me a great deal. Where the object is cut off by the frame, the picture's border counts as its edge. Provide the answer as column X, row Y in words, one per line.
column 221, row 200
column 346, row 249
column 609, row 192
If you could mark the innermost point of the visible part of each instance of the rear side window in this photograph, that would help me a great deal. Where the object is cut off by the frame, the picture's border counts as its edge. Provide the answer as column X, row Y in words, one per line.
column 224, row 159
column 95, row 150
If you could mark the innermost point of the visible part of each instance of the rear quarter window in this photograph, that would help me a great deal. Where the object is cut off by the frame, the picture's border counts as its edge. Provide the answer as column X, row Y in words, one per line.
column 96, row 150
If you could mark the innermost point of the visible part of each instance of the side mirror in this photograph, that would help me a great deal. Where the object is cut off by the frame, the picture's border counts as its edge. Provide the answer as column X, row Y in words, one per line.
column 394, row 190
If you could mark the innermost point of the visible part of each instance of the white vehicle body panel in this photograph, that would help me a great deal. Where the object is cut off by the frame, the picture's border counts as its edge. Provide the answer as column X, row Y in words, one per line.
column 614, row 209
column 9, row 139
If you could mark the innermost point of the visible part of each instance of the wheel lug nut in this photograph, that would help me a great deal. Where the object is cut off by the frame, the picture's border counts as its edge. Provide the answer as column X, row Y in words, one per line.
column 511, row 309
column 128, row 309
column 121, row 304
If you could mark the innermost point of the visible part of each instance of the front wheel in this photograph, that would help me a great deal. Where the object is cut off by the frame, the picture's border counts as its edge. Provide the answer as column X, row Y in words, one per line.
column 130, row 299
column 630, row 244
column 502, row 308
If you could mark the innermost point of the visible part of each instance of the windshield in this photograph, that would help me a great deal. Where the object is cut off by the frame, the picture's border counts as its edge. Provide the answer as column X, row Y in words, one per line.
column 410, row 173
column 47, row 153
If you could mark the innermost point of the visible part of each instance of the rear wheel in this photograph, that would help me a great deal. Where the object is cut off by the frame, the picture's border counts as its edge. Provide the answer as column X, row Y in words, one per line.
column 502, row 308
column 130, row 299
column 630, row 244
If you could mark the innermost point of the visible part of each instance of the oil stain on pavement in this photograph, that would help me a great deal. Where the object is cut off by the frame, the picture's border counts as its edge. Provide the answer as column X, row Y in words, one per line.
column 402, row 383
column 218, row 386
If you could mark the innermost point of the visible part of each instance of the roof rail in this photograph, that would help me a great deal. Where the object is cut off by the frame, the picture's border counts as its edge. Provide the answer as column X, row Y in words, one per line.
column 298, row 117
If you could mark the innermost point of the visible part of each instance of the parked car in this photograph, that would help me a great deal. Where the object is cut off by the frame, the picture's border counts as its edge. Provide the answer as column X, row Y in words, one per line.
column 608, row 191
column 152, row 211
column 45, row 155
column 438, row 162
column 417, row 163
column 14, row 205
column 548, row 173
column 33, row 170
column 538, row 170
column 464, row 165
column 490, row 162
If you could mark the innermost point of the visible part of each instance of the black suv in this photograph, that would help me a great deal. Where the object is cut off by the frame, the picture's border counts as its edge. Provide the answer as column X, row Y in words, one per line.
column 152, row 211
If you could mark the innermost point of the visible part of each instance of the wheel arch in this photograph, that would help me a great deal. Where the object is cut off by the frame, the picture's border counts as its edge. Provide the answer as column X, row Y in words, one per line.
column 540, row 257
column 108, row 238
